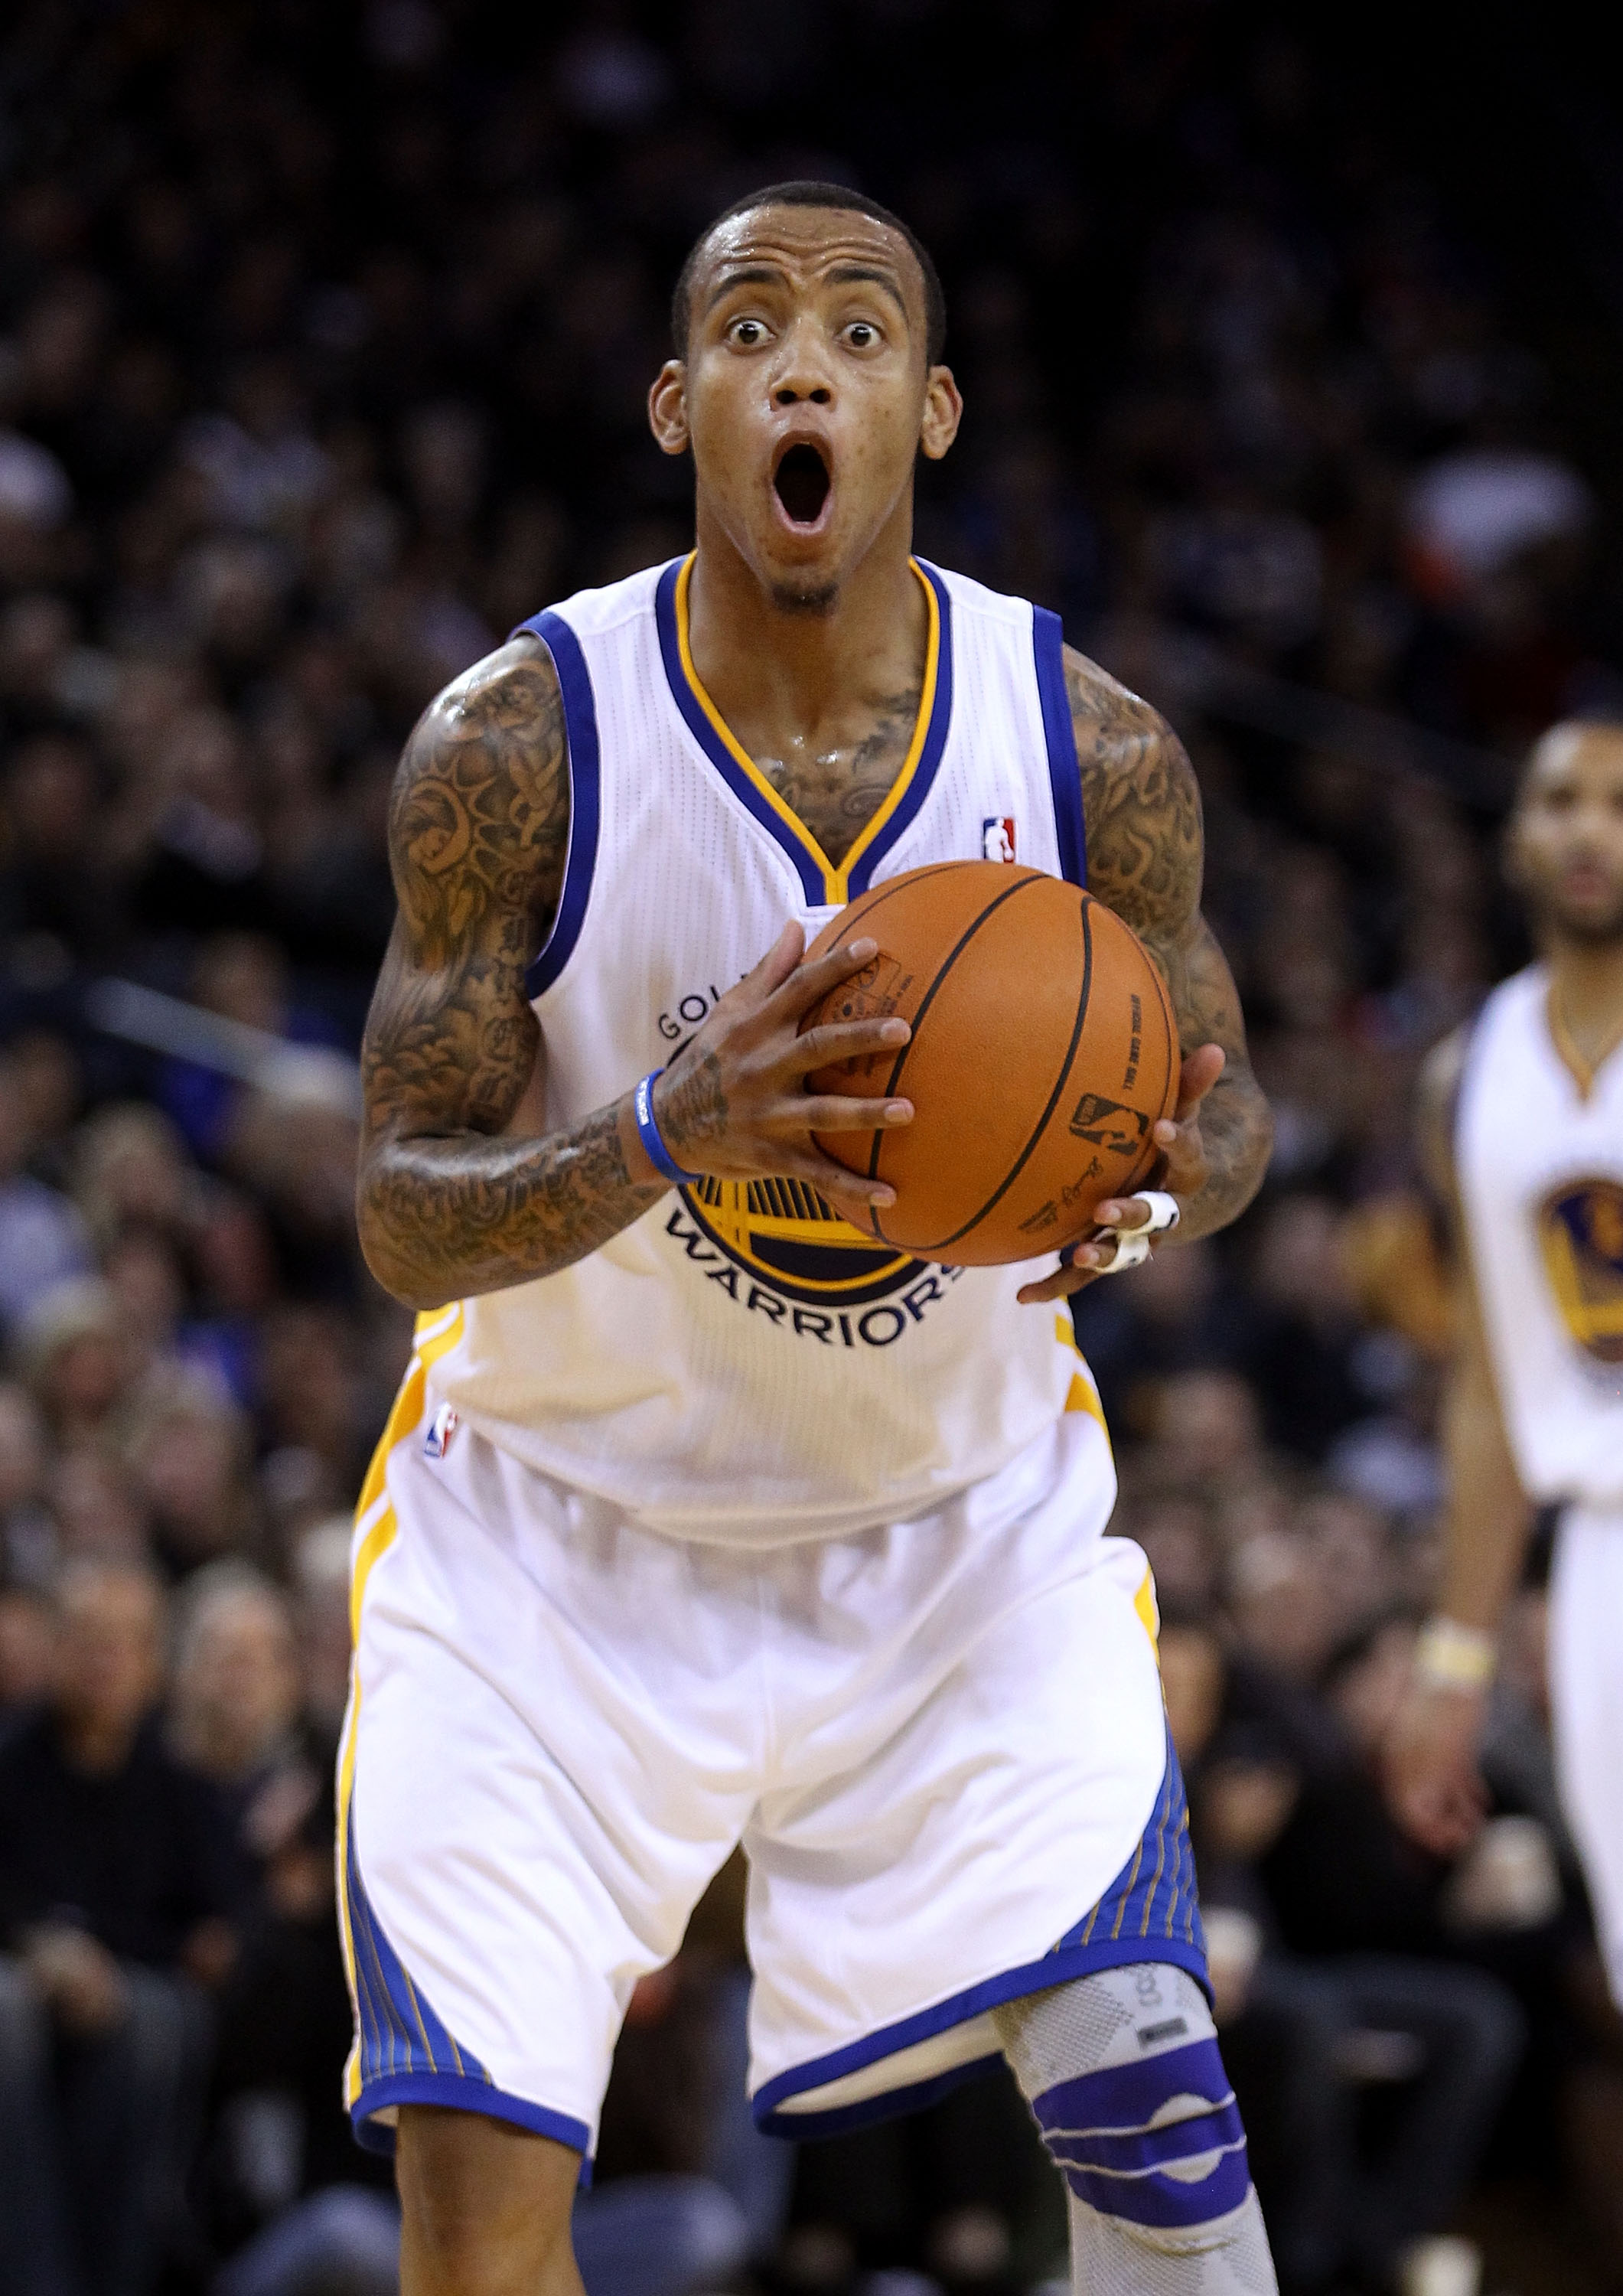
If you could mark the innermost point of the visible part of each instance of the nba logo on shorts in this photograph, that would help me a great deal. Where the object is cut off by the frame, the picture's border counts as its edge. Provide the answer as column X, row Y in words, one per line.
column 437, row 1442
column 998, row 837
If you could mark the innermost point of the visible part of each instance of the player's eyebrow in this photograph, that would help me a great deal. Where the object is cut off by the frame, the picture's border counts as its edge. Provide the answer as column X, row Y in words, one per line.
column 853, row 275
column 746, row 274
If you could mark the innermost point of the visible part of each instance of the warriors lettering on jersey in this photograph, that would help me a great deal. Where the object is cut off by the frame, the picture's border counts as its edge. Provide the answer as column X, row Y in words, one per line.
column 776, row 1248
column 803, row 1259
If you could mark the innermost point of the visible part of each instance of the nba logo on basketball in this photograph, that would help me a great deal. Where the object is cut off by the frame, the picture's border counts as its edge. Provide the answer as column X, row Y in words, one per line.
column 998, row 837
column 437, row 1442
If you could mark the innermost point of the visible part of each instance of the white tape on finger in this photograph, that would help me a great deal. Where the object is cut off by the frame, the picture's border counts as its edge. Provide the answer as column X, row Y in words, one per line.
column 1133, row 1244
column 1163, row 1211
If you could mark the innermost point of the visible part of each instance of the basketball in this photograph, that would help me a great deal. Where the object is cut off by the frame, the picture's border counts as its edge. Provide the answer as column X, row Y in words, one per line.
column 1044, row 1051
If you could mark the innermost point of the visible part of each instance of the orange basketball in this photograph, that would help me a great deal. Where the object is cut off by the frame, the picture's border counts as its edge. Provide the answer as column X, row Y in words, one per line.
column 1043, row 1051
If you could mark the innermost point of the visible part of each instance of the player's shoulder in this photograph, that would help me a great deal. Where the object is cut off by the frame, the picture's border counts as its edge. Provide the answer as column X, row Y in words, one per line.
column 1515, row 1005
column 499, row 700
column 1141, row 802
column 521, row 677
column 610, row 606
column 1441, row 1079
column 485, row 764
column 972, row 601
column 1437, row 1099
column 1113, row 725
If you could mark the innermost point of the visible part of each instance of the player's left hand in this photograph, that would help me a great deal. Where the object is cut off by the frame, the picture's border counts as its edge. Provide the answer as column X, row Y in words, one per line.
column 1181, row 1173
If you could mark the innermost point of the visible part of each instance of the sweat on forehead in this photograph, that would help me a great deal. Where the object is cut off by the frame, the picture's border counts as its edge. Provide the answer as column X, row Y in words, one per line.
column 799, row 214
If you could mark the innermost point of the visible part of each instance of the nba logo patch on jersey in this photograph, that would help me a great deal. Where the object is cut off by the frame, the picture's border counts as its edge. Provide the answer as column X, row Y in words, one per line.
column 437, row 1442
column 998, row 837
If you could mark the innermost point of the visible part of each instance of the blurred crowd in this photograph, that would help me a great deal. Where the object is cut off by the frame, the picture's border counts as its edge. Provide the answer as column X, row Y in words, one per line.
column 323, row 339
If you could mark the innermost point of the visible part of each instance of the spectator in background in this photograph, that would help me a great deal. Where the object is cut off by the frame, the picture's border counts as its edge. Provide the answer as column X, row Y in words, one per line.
column 43, row 1240
column 321, row 1594
column 28, row 1653
column 188, row 1451
column 74, row 1351
column 235, row 1702
column 27, row 1541
column 118, row 1892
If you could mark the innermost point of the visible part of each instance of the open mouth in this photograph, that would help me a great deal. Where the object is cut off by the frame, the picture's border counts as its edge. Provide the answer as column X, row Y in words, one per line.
column 802, row 482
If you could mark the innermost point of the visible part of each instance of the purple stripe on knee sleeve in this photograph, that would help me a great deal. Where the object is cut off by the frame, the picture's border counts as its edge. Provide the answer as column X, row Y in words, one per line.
column 1100, row 2130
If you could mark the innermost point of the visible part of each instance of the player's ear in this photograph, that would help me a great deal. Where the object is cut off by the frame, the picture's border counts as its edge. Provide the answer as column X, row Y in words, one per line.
column 668, row 407
column 943, row 412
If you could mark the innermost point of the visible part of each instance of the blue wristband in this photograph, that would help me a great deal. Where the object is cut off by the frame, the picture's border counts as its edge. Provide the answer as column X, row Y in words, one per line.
column 648, row 1131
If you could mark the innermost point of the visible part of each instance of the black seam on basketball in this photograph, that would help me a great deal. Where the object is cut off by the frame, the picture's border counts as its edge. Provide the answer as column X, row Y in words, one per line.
column 1015, row 1170
column 948, row 962
column 866, row 904
column 1147, row 1163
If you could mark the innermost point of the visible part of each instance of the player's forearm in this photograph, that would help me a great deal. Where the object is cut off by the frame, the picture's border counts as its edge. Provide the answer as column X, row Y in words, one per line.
column 446, row 1219
column 1237, row 1134
column 1488, row 1518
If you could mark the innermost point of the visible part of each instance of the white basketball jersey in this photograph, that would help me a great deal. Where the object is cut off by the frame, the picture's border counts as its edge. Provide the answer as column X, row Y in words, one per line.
column 740, row 1364
column 1541, row 1180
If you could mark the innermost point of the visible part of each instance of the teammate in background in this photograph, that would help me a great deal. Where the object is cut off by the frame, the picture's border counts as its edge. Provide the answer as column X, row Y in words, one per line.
column 701, row 1517
column 1522, row 1132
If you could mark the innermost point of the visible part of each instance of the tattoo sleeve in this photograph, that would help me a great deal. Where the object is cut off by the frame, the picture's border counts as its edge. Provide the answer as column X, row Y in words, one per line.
column 1141, row 808
column 478, row 833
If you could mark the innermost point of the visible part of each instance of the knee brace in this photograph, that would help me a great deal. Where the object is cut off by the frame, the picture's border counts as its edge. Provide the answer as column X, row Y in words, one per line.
column 1123, row 2074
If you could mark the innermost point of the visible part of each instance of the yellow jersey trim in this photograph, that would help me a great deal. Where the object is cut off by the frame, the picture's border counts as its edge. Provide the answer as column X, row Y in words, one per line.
column 836, row 880
column 1082, row 1394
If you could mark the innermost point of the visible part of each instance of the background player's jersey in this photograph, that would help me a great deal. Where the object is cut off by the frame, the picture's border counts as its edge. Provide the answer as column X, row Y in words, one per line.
column 1541, row 1178
column 740, row 1364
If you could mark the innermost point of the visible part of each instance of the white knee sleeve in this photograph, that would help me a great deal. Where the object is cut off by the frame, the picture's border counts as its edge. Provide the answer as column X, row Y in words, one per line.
column 1122, row 2070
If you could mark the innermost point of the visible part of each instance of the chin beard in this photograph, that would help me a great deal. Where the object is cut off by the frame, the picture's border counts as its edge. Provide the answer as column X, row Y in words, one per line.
column 789, row 600
column 1588, row 931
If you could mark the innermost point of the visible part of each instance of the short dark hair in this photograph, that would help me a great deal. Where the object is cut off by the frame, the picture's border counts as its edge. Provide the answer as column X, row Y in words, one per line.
column 808, row 194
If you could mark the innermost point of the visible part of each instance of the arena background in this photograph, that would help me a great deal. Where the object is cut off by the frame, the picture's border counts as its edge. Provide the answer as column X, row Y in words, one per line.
column 1292, row 346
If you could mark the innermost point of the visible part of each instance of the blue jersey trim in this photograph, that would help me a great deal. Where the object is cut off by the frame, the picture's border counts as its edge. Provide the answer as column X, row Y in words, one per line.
column 930, row 757
column 580, row 729
column 1064, row 770
column 464, row 2096
column 715, row 749
column 1148, row 1913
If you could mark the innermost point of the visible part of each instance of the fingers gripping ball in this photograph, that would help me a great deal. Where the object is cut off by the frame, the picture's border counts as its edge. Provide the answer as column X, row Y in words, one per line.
column 1044, row 1052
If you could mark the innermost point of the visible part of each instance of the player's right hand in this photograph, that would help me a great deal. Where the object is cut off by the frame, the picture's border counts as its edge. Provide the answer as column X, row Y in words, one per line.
column 1433, row 1785
column 734, row 1102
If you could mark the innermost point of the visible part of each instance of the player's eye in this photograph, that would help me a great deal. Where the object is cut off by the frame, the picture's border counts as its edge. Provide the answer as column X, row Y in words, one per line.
column 749, row 334
column 861, row 334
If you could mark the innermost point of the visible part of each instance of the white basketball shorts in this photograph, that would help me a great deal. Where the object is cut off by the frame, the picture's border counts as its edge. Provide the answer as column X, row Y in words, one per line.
column 1586, row 1706
column 941, row 1742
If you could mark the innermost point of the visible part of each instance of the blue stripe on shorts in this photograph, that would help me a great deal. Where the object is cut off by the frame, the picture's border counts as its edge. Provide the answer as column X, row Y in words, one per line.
column 1152, row 1901
column 407, row 2054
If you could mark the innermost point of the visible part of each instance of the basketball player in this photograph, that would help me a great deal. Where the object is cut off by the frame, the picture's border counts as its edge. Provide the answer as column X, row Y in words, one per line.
column 1523, row 1126
column 702, row 1518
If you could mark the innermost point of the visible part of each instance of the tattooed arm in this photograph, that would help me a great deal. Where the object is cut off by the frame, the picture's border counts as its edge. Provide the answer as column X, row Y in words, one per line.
column 458, row 1193
column 1141, row 809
